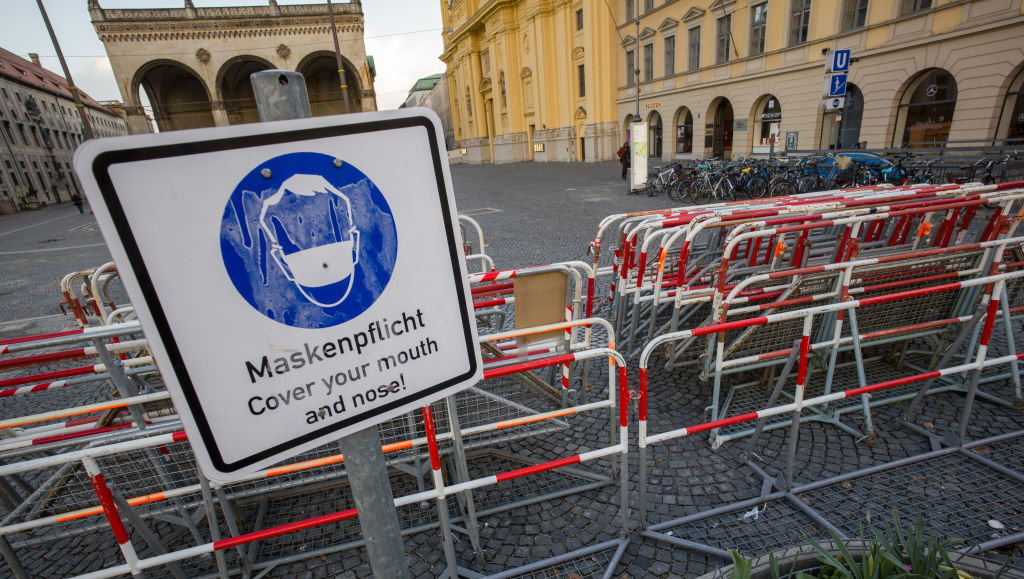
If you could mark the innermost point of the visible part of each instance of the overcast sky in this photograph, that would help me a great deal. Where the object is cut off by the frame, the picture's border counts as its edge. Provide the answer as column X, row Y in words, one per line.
column 403, row 36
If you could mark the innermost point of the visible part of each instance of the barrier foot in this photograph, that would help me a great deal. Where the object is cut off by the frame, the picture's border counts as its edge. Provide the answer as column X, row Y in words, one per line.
column 143, row 530
column 12, row 559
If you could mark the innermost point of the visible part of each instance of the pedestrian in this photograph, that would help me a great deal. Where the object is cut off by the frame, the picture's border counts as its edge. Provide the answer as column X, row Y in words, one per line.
column 624, row 157
column 77, row 200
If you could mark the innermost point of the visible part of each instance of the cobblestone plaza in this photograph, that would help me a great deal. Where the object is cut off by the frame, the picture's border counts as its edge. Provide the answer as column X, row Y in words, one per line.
column 534, row 214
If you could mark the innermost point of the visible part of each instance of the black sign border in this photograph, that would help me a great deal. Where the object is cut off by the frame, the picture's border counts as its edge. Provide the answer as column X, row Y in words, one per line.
column 100, row 169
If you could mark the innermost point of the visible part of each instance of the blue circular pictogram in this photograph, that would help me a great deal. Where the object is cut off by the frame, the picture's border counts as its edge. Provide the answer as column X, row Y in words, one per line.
column 308, row 240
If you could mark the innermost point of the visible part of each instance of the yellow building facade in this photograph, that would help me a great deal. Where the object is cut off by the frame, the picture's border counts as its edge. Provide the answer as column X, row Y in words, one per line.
column 532, row 79
column 747, row 77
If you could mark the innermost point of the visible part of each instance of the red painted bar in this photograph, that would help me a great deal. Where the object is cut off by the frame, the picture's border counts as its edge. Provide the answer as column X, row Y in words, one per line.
column 990, row 319
column 643, row 394
column 428, row 425
column 891, row 383
column 38, row 359
column 721, row 422
column 107, row 502
column 801, row 374
column 80, row 371
column 283, row 530
column 23, row 339
column 504, row 476
column 525, row 366
column 73, row 435
column 910, row 294
column 623, row 398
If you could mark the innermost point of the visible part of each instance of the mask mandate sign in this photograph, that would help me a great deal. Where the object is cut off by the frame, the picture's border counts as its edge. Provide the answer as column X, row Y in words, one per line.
column 294, row 284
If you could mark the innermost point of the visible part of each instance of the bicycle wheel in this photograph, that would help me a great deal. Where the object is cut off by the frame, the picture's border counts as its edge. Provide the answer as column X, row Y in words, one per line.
column 677, row 190
column 783, row 187
column 699, row 191
column 807, row 184
column 757, row 187
column 651, row 189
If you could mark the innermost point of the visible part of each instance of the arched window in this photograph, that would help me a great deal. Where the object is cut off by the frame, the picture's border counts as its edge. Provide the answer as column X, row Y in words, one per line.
column 1011, row 121
column 769, row 121
column 654, row 135
column 684, row 131
column 926, row 110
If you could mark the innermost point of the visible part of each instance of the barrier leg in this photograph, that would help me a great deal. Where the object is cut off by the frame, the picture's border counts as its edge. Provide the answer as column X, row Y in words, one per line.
column 1010, row 348
column 965, row 333
column 776, row 391
column 142, row 529
column 442, row 498
column 462, row 471
column 116, row 525
column 862, row 380
column 124, row 387
column 232, row 522
column 986, row 334
column 211, row 520
column 12, row 559
column 798, row 399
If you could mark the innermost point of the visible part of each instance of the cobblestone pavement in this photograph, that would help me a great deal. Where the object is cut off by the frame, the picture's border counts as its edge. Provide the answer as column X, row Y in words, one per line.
column 534, row 214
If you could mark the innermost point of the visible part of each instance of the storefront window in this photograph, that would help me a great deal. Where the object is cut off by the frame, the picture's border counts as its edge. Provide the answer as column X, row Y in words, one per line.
column 684, row 131
column 926, row 112
column 1011, row 121
column 770, row 119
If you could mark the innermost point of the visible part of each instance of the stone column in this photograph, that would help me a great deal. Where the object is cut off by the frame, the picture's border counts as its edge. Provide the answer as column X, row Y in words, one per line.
column 220, row 114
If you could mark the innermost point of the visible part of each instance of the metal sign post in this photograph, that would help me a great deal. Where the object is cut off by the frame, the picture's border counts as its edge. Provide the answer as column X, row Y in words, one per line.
column 280, row 96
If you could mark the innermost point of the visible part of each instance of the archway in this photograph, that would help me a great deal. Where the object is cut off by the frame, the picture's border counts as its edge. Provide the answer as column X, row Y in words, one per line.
column 766, row 116
column 925, row 113
column 1011, row 120
column 236, row 89
column 684, row 130
column 841, row 127
column 654, row 134
column 721, row 114
column 177, row 94
column 325, row 97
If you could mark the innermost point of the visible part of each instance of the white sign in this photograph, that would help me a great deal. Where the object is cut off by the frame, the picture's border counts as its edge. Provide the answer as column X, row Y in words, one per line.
column 295, row 283
column 838, row 61
column 638, row 150
column 835, row 103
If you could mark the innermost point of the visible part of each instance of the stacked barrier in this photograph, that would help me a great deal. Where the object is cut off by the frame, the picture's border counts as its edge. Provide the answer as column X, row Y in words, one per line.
column 804, row 308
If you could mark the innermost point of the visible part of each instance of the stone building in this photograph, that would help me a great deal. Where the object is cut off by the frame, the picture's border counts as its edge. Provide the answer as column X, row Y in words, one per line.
column 40, row 131
column 432, row 92
column 531, row 79
column 722, row 78
column 194, row 63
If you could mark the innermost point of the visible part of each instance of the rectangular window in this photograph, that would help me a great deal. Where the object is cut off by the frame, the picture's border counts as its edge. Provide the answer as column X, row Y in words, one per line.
column 648, row 6
column 485, row 60
column 693, row 56
column 5, row 92
column 855, row 14
column 724, row 32
column 910, row 6
column 630, row 68
column 579, row 20
column 583, row 82
column 670, row 55
column 758, row 22
column 648, row 62
column 799, row 21
column 629, row 10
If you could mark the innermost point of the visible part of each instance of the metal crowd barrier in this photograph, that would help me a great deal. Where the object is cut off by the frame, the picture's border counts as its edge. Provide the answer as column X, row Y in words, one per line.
column 153, row 478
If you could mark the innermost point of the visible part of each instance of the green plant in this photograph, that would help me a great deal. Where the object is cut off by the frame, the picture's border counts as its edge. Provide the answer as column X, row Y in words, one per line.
column 890, row 551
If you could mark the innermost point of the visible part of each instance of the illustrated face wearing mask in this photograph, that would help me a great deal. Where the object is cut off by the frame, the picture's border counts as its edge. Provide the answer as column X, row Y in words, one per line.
column 312, row 237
